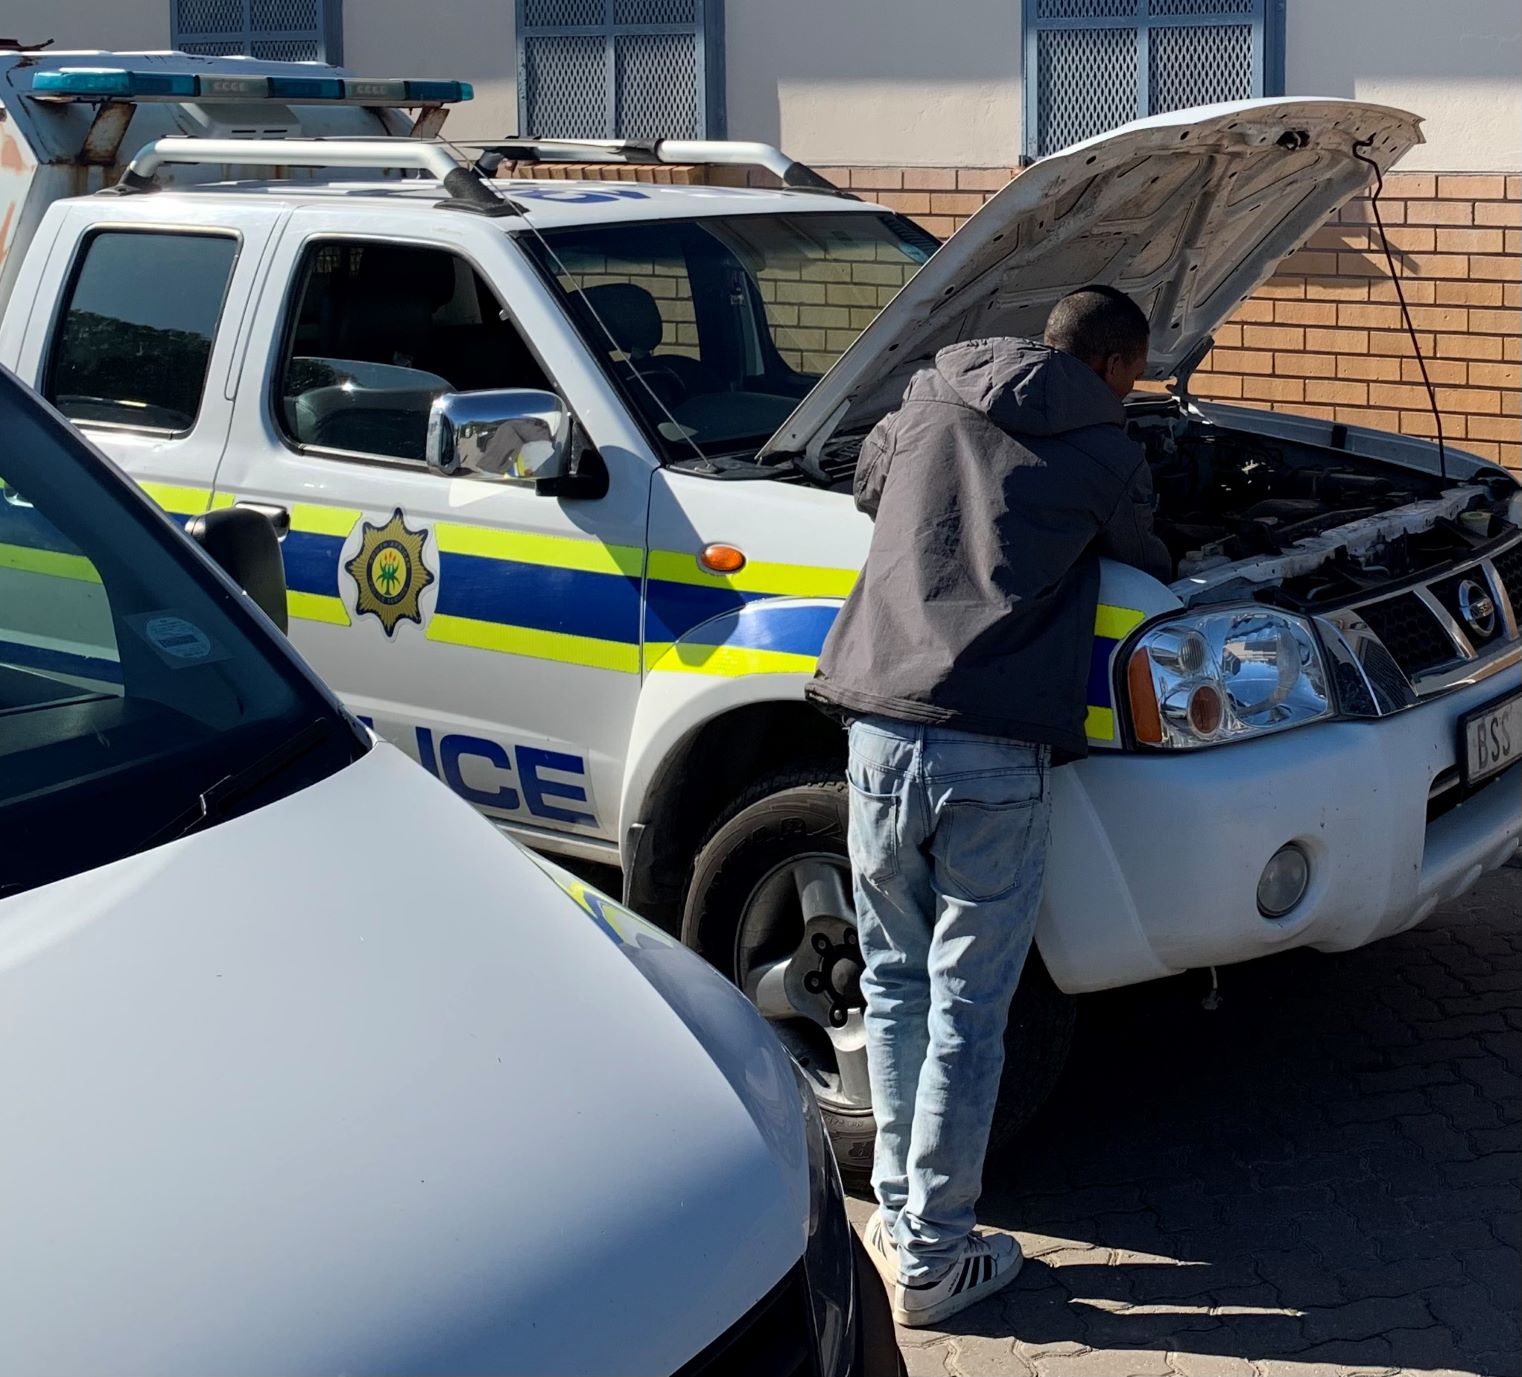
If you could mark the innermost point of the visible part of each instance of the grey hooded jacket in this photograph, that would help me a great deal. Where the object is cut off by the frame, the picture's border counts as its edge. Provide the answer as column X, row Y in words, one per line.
column 994, row 487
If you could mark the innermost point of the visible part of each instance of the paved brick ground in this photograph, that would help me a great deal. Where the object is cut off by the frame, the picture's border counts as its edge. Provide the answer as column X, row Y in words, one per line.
column 1320, row 1177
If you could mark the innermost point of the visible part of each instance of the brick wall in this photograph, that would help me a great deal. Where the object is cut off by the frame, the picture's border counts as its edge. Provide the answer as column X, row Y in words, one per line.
column 1324, row 337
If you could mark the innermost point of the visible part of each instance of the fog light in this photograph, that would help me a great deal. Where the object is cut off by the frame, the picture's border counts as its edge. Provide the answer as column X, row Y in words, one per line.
column 1282, row 884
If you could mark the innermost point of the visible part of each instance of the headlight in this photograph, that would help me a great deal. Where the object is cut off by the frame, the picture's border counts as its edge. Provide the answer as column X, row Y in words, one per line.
column 1222, row 676
column 827, row 1262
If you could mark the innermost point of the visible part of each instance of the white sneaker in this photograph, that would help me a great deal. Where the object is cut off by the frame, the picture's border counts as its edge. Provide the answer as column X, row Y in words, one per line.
column 881, row 1249
column 988, row 1263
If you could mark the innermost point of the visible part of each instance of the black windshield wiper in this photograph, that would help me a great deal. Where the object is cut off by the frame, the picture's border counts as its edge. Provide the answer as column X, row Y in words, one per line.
column 218, row 799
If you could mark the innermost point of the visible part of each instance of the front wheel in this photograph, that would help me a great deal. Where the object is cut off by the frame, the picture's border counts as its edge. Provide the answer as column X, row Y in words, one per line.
column 770, row 905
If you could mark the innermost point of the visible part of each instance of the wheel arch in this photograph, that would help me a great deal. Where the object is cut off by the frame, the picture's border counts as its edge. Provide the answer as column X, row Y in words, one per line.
column 700, row 745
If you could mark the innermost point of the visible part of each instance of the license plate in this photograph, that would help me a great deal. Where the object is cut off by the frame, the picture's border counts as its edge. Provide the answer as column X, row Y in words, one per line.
column 1492, row 739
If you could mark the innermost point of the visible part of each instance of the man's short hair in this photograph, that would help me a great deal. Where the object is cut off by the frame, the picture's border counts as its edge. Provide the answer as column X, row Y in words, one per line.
column 1096, row 322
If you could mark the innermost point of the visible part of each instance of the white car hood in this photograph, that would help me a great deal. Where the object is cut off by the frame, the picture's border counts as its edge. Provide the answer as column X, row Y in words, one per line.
column 1187, row 212
column 350, row 1085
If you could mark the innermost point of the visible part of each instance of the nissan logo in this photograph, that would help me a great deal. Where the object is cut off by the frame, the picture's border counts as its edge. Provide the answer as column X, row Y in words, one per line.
column 1477, row 608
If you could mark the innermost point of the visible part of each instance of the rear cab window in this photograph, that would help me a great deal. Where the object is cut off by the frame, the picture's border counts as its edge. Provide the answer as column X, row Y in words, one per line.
column 133, row 342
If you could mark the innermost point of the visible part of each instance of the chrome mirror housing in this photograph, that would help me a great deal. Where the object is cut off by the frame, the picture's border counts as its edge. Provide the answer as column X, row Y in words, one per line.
column 517, row 435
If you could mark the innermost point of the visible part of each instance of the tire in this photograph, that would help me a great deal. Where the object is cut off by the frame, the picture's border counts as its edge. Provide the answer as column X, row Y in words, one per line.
column 801, row 812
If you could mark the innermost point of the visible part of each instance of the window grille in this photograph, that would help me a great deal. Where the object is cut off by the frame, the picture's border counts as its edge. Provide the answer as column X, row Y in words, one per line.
column 620, row 69
column 279, row 30
column 1091, row 65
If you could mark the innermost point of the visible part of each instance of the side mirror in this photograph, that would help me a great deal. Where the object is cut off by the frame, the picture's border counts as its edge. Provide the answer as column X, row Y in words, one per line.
column 517, row 435
column 244, row 543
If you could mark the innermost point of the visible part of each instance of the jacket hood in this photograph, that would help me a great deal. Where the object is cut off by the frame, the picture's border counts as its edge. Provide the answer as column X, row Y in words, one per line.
column 1026, row 388
column 1185, row 212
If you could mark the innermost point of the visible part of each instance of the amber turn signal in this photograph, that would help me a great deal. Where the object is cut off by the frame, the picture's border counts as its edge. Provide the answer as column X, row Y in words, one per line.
column 1146, row 719
column 722, row 559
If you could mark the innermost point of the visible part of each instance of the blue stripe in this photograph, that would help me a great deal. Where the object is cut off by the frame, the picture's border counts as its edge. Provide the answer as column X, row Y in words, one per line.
column 311, row 562
column 673, row 609
column 1100, row 695
column 60, row 662
column 793, row 628
column 574, row 602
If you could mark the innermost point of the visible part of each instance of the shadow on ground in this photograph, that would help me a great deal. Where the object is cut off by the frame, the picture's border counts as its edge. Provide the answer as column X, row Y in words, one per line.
column 1323, row 1171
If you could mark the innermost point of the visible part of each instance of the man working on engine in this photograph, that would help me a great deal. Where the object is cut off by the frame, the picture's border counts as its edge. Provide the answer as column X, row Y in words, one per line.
column 961, row 659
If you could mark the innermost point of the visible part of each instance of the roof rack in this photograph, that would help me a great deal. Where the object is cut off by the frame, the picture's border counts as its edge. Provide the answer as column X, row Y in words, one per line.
column 462, row 184
column 645, row 152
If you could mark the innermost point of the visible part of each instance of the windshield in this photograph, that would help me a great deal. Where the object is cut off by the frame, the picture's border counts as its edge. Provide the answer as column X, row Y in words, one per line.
column 715, row 329
column 133, row 685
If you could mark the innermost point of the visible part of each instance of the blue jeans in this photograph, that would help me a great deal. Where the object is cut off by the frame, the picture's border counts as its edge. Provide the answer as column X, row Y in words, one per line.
column 948, row 838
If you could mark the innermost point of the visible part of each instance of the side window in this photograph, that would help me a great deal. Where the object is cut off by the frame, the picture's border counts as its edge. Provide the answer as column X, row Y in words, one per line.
column 134, row 340
column 376, row 332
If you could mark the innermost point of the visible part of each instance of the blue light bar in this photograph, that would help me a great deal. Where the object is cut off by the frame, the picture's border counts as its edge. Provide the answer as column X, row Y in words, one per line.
column 443, row 91
column 113, row 82
column 373, row 89
column 120, row 83
column 306, row 88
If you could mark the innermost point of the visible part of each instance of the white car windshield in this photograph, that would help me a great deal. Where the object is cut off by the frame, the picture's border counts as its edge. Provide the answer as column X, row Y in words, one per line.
column 139, row 698
column 715, row 329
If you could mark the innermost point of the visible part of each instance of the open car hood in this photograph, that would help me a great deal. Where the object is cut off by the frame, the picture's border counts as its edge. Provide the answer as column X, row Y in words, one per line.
column 1187, row 212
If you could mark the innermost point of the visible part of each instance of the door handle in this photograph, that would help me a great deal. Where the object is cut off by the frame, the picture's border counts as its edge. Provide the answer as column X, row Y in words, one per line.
column 279, row 517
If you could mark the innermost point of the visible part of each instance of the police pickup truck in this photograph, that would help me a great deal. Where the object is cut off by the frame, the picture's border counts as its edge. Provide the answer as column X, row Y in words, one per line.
column 562, row 474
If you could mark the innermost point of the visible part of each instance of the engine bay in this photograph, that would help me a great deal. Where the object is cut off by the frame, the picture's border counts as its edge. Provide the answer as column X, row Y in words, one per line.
column 1301, row 525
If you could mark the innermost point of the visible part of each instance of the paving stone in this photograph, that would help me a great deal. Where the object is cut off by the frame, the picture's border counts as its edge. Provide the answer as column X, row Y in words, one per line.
column 1108, row 1363
column 1209, row 1365
column 1342, row 1139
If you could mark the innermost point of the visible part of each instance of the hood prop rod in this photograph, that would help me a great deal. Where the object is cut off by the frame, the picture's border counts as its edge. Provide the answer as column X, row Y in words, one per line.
column 1405, row 310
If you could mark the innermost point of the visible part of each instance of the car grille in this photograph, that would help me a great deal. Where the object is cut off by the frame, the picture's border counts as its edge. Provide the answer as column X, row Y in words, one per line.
column 1421, row 639
column 1508, row 566
column 774, row 1338
column 1413, row 636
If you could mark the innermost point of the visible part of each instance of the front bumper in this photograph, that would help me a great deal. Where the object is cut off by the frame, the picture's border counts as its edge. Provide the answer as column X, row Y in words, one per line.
column 1155, row 857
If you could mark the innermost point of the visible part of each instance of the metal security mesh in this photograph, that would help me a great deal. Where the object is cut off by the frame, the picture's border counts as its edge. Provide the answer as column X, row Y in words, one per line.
column 563, row 14
column 655, row 12
column 281, row 30
column 1199, row 65
column 287, row 49
column 1092, row 65
column 210, row 16
column 1086, row 9
column 1202, row 6
column 657, row 74
column 1086, row 84
column 282, row 16
column 615, row 69
column 565, row 88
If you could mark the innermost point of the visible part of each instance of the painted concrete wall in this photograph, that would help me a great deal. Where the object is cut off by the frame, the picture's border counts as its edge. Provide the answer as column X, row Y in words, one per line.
column 471, row 40
column 1457, row 63
column 109, row 24
column 895, row 82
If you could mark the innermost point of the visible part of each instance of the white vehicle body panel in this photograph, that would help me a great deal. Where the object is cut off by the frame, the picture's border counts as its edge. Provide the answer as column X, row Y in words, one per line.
column 370, row 1096
column 1132, row 893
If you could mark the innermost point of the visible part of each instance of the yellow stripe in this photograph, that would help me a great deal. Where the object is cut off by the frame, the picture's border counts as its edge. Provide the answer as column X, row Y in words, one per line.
column 328, row 521
column 1099, row 725
column 537, row 645
column 785, row 580
column 52, row 563
column 730, row 662
column 1117, row 622
column 186, row 501
column 316, row 607
column 557, row 552
column 222, row 500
